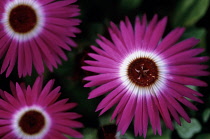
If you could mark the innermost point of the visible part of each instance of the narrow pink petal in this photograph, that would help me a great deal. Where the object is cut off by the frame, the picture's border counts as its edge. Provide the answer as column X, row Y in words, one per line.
column 43, row 2
column 184, row 91
column 54, row 5
column 9, row 135
column 36, row 89
column 4, row 122
column 158, row 120
column 28, row 58
column 69, row 123
column 108, row 43
column 151, row 112
column 36, row 57
column 104, row 89
column 185, row 54
column 121, row 105
column 181, row 46
column 174, row 114
column 68, row 131
column 111, row 103
column 57, row 40
column 100, row 64
column 62, row 21
column 66, row 115
column 99, row 69
column 46, row 51
column 128, row 114
column 59, row 107
column 116, row 30
column 10, row 58
column 195, row 70
column 177, row 106
column 157, row 34
column 53, row 133
column 100, row 79
column 103, row 59
column 170, row 39
column 50, row 98
column 111, row 96
column 185, row 80
column 29, row 96
column 138, row 124
column 127, row 34
column 130, row 29
column 188, row 60
column 20, row 94
column 5, row 130
column 46, row 90
column 145, row 118
column 99, row 51
column 5, row 41
column 182, row 99
column 164, row 111
column 12, row 100
column 21, row 61
column 109, row 48
column 139, row 31
column 6, row 114
column 118, row 43
column 150, row 29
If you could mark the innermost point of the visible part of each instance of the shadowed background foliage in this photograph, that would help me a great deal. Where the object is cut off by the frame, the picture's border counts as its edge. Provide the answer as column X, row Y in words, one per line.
column 194, row 15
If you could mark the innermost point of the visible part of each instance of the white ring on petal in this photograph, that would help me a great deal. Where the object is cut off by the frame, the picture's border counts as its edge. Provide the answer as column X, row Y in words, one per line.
column 23, row 36
column 155, row 87
column 21, row 134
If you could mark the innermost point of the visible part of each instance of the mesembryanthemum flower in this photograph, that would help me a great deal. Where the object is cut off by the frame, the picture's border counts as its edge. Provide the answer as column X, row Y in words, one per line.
column 144, row 75
column 35, row 113
column 35, row 33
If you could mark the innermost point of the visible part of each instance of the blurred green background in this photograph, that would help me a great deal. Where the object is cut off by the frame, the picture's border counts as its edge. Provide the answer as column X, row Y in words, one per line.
column 194, row 15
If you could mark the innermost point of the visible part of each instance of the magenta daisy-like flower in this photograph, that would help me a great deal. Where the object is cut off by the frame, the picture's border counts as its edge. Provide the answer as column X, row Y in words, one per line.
column 35, row 33
column 145, row 75
column 35, row 113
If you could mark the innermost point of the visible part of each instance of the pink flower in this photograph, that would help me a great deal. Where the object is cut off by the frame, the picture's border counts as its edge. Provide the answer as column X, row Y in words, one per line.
column 145, row 75
column 35, row 33
column 35, row 113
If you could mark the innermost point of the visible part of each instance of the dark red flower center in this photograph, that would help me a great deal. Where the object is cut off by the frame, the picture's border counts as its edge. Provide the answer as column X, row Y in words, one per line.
column 143, row 72
column 22, row 18
column 32, row 122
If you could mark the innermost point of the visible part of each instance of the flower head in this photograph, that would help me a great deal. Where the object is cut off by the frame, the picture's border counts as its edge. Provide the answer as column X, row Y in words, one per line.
column 144, row 75
column 35, row 113
column 35, row 32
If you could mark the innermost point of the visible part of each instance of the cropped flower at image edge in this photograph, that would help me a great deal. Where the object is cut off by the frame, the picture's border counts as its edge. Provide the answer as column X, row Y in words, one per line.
column 145, row 75
column 35, row 33
column 34, row 112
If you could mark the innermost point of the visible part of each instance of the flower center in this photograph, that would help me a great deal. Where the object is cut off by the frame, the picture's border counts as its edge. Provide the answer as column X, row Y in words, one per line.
column 22, row 18
column 32, row 122
column 143, row 72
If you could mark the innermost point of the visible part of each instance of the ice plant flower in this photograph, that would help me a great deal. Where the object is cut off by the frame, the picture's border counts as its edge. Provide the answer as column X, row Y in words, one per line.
column 145, row 75
column 36, row 33
column 35, row 113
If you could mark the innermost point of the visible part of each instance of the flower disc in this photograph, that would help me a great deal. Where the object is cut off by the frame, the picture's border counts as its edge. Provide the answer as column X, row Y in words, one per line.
column 143, row 72
column 22, row 18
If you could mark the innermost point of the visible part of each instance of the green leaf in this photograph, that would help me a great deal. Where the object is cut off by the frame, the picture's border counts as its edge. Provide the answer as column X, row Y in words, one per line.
column 206, row 115
column 188, row 12
column 203, row 136
column 187, row 130
column 199, row 33
column 88, row 133
column 166, row 135
column 130, row 4
column 106, row 120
